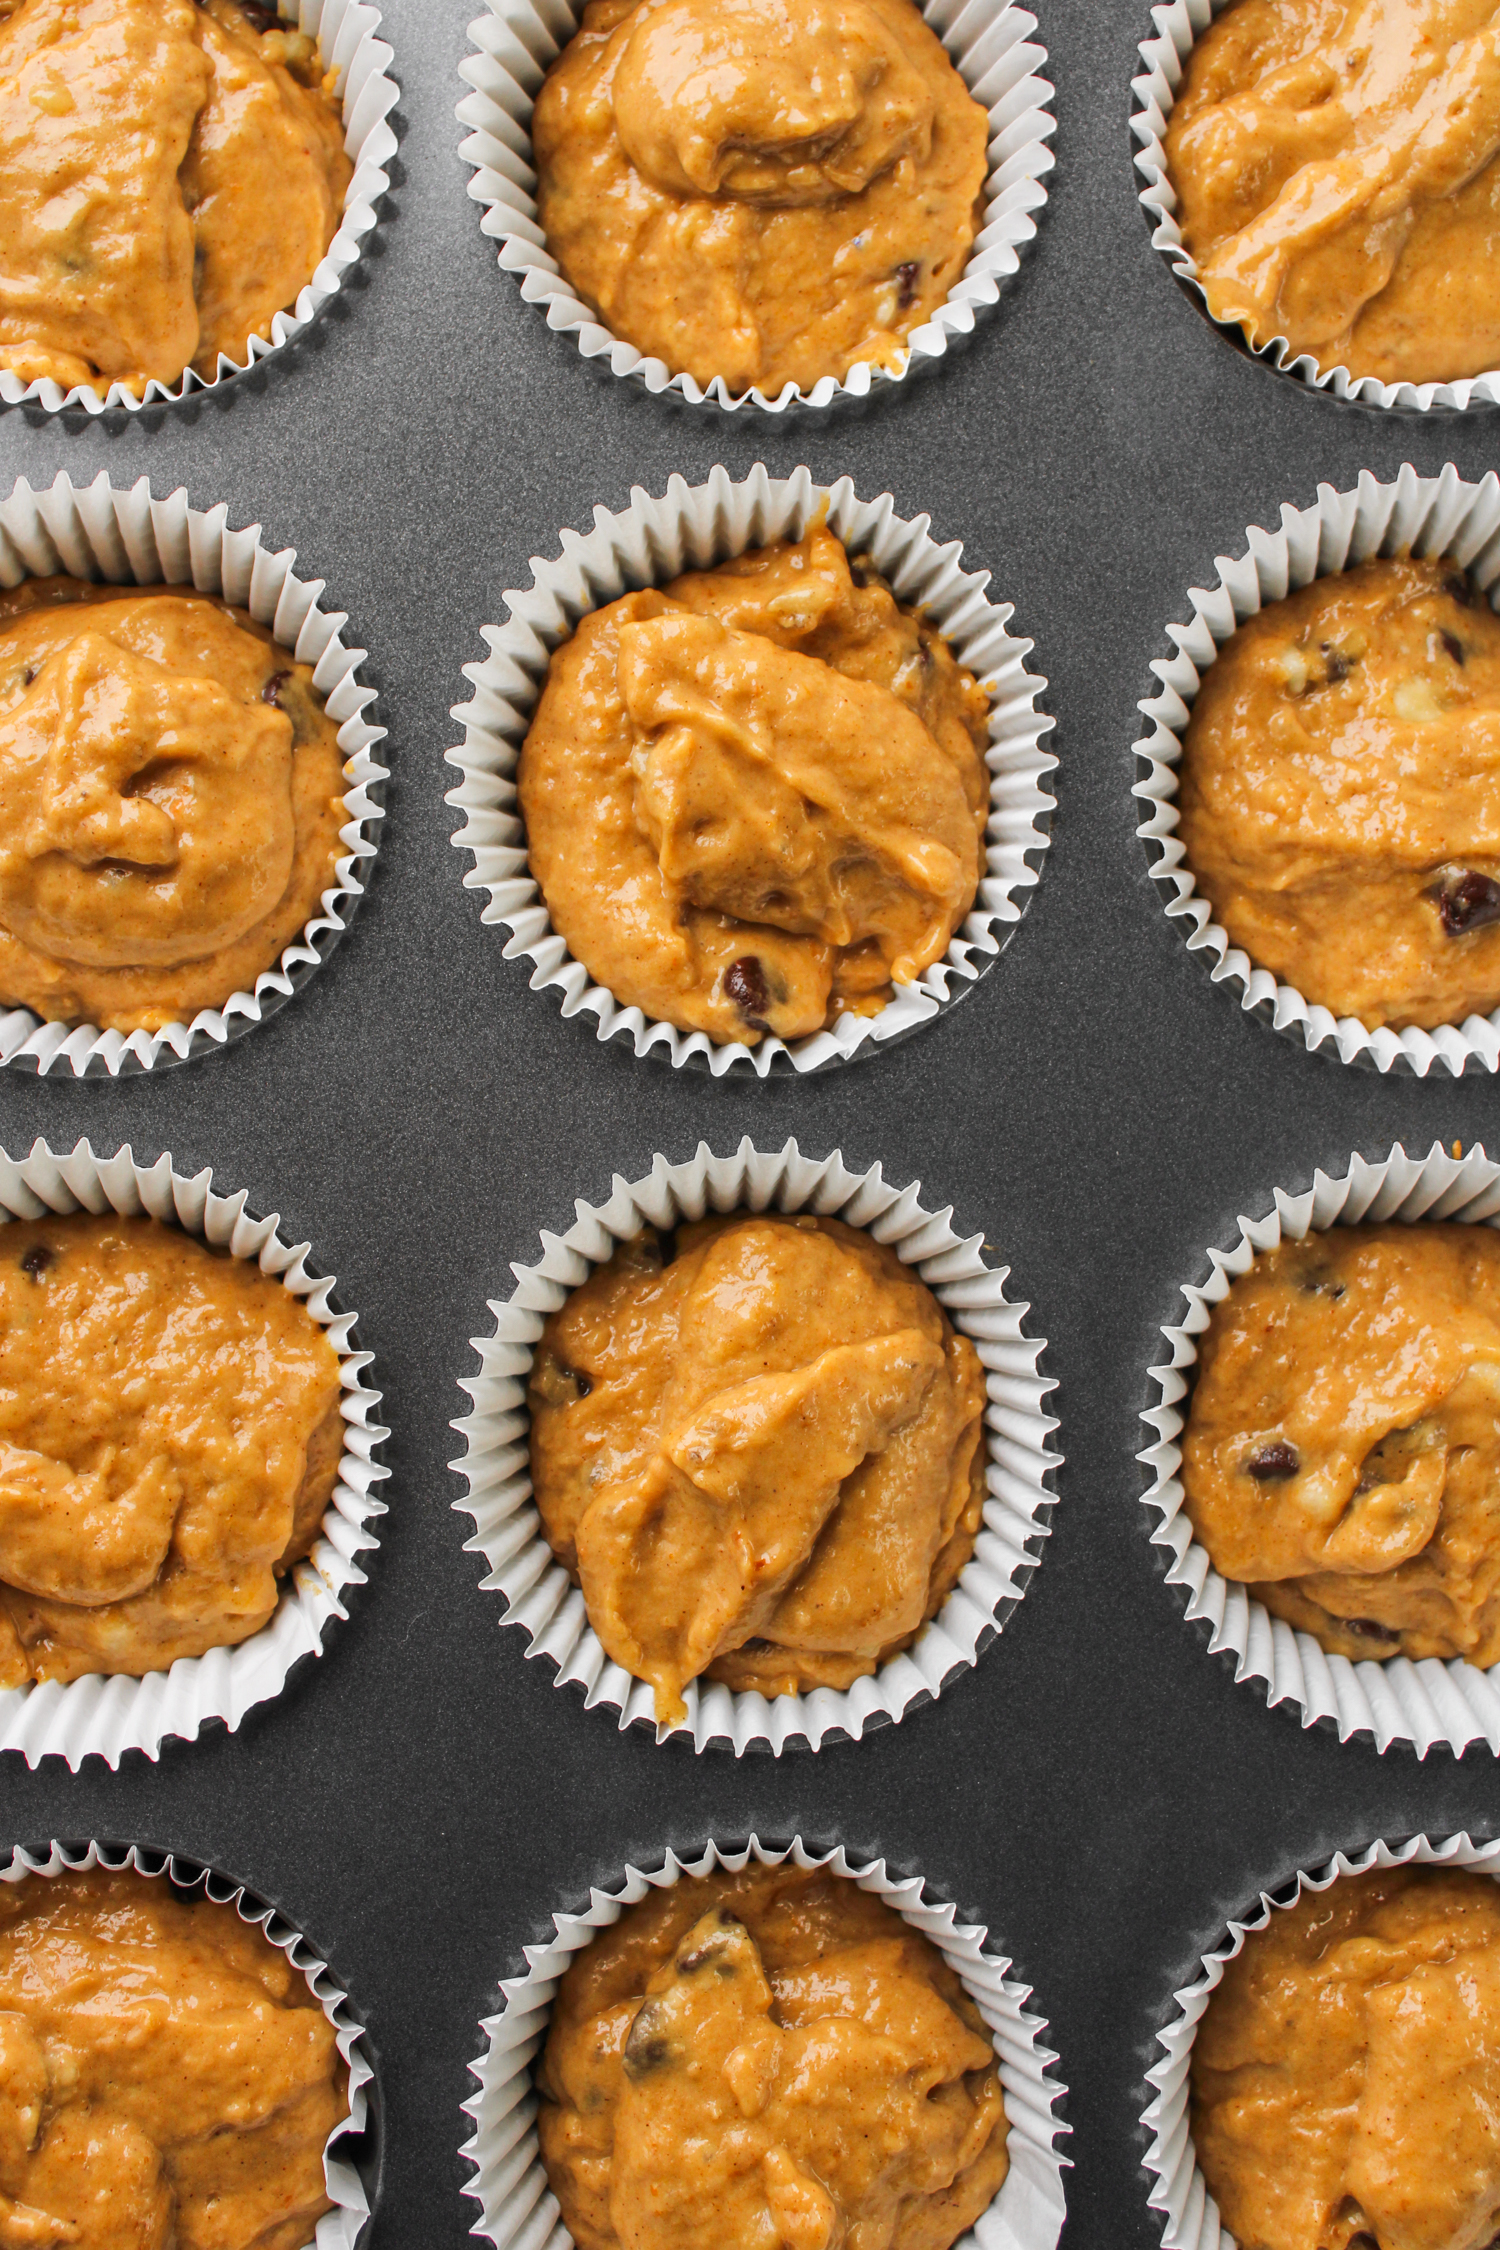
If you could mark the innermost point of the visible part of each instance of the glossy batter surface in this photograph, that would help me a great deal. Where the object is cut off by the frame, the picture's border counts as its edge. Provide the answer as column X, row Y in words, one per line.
column 1346, row 2074
column 763, row 2059
column 171, row 173
column 169, row 1439
column 1340, row 793
column 1336, row 168
column 171, row 794
column 1342, row 1451
column 766, row 190
column 167, row 2080
column 761, row 1460
column 717, row 836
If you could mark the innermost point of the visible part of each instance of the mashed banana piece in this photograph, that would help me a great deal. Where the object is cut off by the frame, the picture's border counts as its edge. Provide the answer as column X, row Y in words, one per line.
column 171, row 794
column 1335, row 167
column 766, row 190
column 755, row 798
column 171, row 173
column 1346, row 2074
column 760, row 1460
column 1342, row 1452
column 166, row 2076
column 763, row 2058
column 169, row 1439
column 1340, row 793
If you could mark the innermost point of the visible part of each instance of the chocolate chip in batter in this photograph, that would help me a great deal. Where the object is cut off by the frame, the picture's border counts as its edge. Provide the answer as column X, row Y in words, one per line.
column 1453, row 645
column 1337, row 665
column 648, row 2048
column 1365, row 1629
column 1272, row 1464
column 271, row 692
column 745, row 985
column 258, row 15
column 907, row 275
column 1466, row 900
column 36, row 1260
column 713, row 1953
column 28, row 675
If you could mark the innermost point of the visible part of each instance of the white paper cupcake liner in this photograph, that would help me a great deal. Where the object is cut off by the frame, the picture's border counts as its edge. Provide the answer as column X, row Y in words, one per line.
column 1442, row 515
column 989, row 43
column 1179, row 2190
column 693, row 527
column 105, row 1714
column 1417, row 1704
column 347, row 31
column 341, row 2228
column 101, row 532
column 542, row 1599
column 1164, row 58
column 518, row 2210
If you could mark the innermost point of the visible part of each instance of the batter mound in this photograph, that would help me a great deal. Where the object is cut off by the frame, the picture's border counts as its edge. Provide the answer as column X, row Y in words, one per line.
column 169, row 1439
column 1338, row 184
column 769, row 2057
column 1340, row 793
column 767, row 190
column 1342, row 1452
column 171, row 794
column 755, row 799
column 1346, row 2074
column 171, row 173
column 169, row 2080
column 760, row 1458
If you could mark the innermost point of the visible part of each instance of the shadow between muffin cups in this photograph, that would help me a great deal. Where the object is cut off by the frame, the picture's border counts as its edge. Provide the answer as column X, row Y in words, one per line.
column 103, row 533
column 542, row 1599
column 1179, row 23
column 347, row 30
column 343, row 2168
column 1418, row 1704
column 692, row 528
column 1179, row 2191
column 104, row 1714
column 517, row 2206
column 1443, row 516
column 988, row 42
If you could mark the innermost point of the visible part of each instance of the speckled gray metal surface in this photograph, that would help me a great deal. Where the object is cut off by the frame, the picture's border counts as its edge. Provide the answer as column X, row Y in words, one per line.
column 1099, row 1791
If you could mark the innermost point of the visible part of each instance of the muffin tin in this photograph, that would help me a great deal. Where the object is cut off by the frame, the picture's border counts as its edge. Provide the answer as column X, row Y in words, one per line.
column 1094, row 1791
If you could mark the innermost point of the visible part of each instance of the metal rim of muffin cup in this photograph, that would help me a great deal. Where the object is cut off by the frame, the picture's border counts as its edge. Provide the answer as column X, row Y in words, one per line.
column 694, row 527
column 517, row 2206
column 989, row 43
column 1179, row 2192
column 1416, row 1704
column 352, row 2180
column 1443, row 516
column 1179, row 23
column 351, row 48
column 540, row 1597
column 106, row 1714
column 125, row 536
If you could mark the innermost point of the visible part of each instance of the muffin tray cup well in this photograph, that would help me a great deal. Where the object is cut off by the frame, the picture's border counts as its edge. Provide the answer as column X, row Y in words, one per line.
column 1163, row 62
column 105, row 1714
column 542, row 1599
column 101, row 532
column 1190, row 2216
column 991, row 46
column 341, row 2228
column 1442, row 515
column 691, row 528
column 1417, row 1704
column 518, row 2210
column 347, row 30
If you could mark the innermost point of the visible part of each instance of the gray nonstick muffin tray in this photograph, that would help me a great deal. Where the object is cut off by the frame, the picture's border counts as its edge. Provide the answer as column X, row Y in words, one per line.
column 1098, row 1790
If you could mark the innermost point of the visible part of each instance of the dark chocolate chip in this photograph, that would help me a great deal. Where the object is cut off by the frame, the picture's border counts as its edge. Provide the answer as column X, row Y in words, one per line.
column 271, row 692
column 36, row 1260
column 577, row 1378
column 1338, row 665
column 1466, row 901
column 1366, row 1629
column 648, row 2048
column 907, row 275
column 1452, row 644
column 1271, row 1464
column 258, row 15
column 745, row 985
column 28, row 675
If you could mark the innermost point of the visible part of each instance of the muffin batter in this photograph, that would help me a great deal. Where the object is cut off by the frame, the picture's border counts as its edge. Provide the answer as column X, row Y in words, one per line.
column 171, row 794
column 1346, row 2074
column 1340, row 793
column 763, row 2058
column 717, row 836
column 766, row 190
column 1342, row 1452
column 760, row 1458
column 169, row 2079
column 171, row 173
column 169, row 1439
column 1336, row 169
